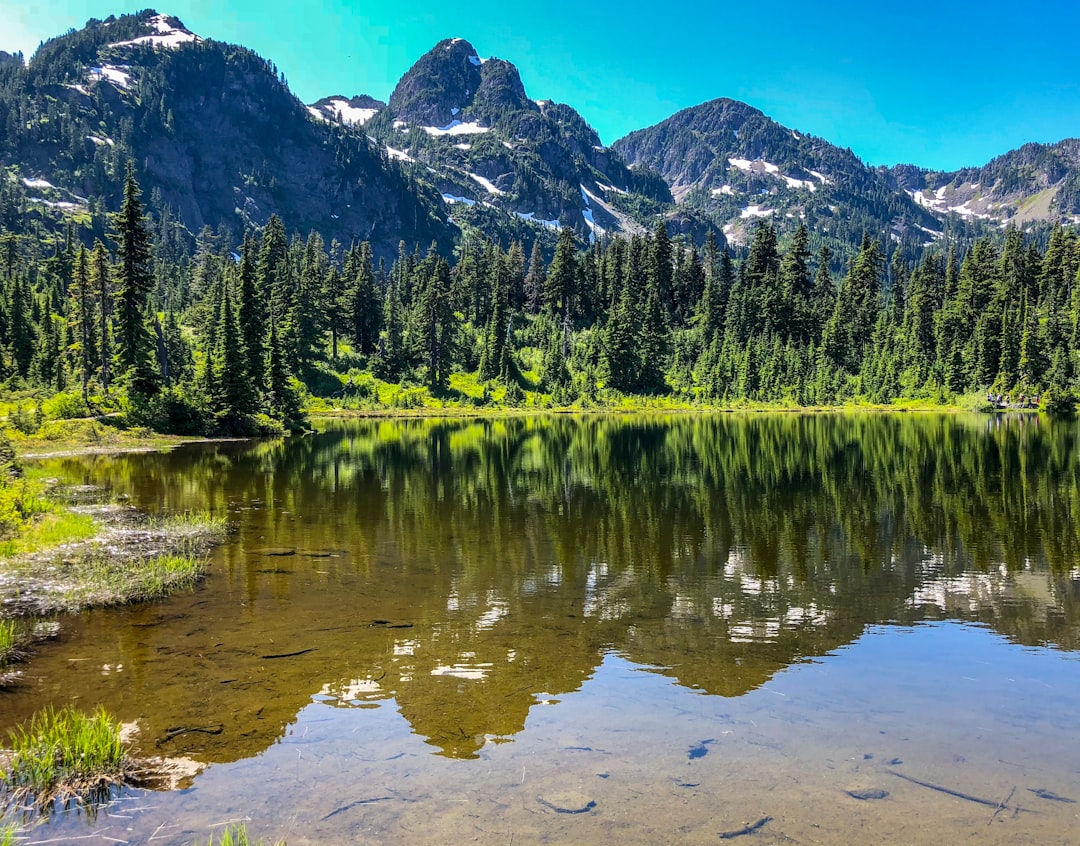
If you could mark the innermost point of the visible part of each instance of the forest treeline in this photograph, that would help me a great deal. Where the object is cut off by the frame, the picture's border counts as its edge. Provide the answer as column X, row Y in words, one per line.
column 238, row 337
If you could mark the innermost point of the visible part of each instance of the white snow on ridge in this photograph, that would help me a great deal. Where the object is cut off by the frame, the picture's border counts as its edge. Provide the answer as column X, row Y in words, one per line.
column 820, row 176
column 465, row 147
column 756, row 211
column 351, row 114
column 37, row 183
column 117, row 75
column 465, row 201
column 399, row 155
column 723, row 189
column 486, row 183
column 456, row 127
column 762, row 166
column 167, row 36
column 101, row 142
column 51, row 204
column 799, row 183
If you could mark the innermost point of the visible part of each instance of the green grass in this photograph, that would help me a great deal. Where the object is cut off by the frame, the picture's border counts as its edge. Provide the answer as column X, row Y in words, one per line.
column 13, row 642
column 63, row 755
column 101, row 580
column 232, row 835
column 47, row 529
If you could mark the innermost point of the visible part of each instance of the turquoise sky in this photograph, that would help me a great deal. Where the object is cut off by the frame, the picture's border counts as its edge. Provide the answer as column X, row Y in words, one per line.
column 942, row 84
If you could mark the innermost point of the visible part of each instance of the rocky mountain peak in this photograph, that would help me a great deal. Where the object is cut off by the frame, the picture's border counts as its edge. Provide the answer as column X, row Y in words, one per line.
column 440, row 85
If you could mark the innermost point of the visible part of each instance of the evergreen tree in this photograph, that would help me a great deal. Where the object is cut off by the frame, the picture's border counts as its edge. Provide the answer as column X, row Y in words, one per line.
column 366, row 303
column 252, row 315
column 134, row 280
column 535, row 280
column 100, row 282
column 82, row 325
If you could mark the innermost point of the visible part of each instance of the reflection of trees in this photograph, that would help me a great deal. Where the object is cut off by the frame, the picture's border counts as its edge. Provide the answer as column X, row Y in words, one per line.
column 719, row 548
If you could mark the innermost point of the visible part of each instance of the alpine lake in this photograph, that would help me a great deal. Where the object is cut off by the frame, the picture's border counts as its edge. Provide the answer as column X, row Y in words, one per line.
column 769, row 628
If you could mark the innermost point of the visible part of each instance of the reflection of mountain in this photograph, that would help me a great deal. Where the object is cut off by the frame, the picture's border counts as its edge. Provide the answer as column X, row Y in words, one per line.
column 470, row 570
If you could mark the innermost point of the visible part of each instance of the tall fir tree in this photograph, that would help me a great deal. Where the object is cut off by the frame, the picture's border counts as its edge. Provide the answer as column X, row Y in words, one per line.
column 134, row 343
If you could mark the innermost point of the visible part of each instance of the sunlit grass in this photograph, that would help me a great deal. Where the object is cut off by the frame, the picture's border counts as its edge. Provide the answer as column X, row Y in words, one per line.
column 102, row 580
column 232, row 835
column 48, row 529
column 64, row 754
column 13, row 641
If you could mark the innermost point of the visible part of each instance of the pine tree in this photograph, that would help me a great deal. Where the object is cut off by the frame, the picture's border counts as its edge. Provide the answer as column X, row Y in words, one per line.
column 561, row 283
column 134, row 281
column 366, row 304
column 495, row 358
column 100, row 281
column 535, row 280
column 252, row 315
column 82, row 324
column 22, row 339
column 234, row 397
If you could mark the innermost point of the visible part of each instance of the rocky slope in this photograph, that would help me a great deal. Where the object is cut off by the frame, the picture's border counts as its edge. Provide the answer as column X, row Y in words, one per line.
column 498, row 157
column 1037, row 182
column 217, row 138
column 731, row 160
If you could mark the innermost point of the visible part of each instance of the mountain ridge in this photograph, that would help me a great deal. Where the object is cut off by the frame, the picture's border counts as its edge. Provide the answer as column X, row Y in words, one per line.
column 459, row 145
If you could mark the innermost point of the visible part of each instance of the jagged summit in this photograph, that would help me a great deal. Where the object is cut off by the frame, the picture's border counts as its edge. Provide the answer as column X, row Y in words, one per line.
column 440, row 86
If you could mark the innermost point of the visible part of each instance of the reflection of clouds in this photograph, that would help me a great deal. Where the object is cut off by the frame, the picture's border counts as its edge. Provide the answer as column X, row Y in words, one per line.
column 973, row 589
column 350, row 693
column 497, row 609
column 461, row 670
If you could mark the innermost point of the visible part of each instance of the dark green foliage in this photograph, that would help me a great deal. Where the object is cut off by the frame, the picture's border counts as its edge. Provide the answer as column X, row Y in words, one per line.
column 134, row 281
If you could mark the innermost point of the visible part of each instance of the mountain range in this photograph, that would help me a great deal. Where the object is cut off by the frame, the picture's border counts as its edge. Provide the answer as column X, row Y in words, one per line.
column 220, row 141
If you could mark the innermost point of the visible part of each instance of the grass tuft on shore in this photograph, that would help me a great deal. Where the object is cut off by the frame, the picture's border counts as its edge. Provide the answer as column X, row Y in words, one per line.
column 14, row 639
column 101, row 580
column 62, row 755
column 233, row 835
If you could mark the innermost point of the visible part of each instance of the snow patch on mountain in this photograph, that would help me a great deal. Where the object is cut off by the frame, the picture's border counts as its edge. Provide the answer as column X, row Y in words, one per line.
column 101, row 142
column 486, row 183
column 456, row 127
column 760, row 166
column 756, row 211
column 166, row 36
column 350, row 114
column 116, row 74
column 399, row 155
column 531, row 218
column 723, row 189
column 452, row 198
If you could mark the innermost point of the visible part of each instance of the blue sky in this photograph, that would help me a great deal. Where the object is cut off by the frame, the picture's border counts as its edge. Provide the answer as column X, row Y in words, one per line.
column 941, row 84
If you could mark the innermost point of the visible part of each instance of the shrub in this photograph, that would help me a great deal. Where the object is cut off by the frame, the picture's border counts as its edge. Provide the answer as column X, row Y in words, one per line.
column 64, row 406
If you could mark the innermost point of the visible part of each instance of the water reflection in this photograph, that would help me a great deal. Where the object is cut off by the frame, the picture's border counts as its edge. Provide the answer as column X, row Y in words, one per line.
column 471, row 570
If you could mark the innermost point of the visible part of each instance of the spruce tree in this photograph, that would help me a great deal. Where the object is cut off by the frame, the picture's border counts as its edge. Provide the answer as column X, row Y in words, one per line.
column 252, row 314
column 82, row 335
column 535, row 280
column 101, row 282
column 134, row 281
